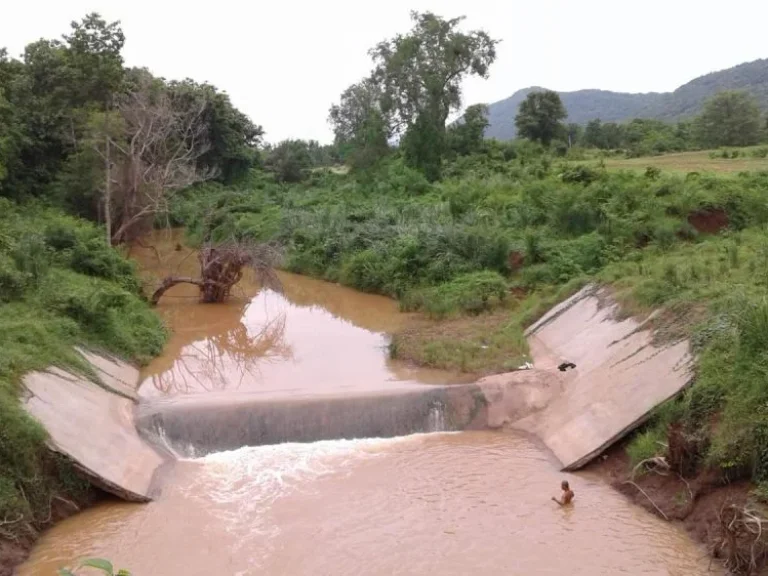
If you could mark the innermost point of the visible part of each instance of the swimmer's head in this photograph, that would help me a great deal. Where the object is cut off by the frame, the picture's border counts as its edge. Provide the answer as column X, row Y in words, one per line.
column 564, row 485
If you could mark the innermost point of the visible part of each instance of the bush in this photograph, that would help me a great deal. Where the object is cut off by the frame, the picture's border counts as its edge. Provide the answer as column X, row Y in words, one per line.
column 646, row 444
column 580, row 174
column 469, row 294
column 95, row 258
column 13, row 282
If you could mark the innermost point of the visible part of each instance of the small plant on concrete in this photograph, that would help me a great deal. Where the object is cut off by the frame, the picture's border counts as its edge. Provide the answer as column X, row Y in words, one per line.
column 103, row 566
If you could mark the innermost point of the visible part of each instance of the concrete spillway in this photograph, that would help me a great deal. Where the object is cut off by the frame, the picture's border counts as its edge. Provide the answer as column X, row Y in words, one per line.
column 93, row 424
column 621, row 374
column 196, row 427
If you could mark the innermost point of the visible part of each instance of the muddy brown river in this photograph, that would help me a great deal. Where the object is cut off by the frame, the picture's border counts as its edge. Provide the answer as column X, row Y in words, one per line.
column 443, row 503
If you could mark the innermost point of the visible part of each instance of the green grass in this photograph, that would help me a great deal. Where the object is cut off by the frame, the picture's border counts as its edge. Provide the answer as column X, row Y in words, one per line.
column 748, row 159
column 61, row 286
column 481, row 344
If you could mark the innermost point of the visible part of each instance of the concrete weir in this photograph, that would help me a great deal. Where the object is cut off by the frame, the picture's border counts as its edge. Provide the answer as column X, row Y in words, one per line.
column 621, row 374
column 94, row 424
column 195, row 427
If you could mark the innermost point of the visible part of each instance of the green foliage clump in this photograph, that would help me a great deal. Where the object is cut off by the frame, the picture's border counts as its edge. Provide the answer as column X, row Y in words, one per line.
column 102, row 565
column 61, row 286
column 541, row 117
column 470, row 294
column 647, row 444
column 729, row 118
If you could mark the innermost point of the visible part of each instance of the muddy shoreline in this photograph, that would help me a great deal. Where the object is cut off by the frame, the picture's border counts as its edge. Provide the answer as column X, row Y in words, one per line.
column 13, row 553
column 694, row 503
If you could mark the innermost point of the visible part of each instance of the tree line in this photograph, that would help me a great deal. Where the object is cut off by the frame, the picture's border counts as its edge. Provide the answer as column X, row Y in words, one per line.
column 729, row 118
column 113, row 143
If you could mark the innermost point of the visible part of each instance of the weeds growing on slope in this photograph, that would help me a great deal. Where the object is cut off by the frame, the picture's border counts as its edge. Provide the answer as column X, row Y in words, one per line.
column 60, row 285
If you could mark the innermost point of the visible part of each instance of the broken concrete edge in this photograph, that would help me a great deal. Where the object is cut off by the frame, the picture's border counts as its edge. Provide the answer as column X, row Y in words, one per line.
column 98, row 375
column 559, row 309
column 103, row 484
column 586, row 459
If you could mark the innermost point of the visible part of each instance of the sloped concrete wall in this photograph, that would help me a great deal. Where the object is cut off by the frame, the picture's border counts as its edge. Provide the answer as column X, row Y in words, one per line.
column 621, row 375
column 94, row 425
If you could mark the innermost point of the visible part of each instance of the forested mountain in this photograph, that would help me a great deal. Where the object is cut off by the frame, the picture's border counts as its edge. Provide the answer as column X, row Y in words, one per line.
column 585, row 105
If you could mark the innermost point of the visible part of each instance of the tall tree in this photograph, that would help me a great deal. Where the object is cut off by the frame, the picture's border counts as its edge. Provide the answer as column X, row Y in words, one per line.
column 420, row 75
column 157, row 156
column 289, row 161
column 467, row 136
column 233, row 138
column 53, row 90
column 541, row 116
column 730, row 118
column 360, row 125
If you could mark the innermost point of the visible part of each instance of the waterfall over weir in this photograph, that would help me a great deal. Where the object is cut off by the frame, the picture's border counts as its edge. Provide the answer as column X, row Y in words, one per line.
column 197, row 427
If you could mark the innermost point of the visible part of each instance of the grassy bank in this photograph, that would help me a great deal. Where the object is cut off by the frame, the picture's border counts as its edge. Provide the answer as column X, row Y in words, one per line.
column 725, row 160
column 60, row 285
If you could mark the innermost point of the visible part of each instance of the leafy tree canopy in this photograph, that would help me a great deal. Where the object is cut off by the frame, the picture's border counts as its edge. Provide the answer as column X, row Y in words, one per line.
column 541, row 117
column 730, row 118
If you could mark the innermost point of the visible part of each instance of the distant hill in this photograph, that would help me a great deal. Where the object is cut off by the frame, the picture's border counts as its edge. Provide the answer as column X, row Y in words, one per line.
column 586, row 105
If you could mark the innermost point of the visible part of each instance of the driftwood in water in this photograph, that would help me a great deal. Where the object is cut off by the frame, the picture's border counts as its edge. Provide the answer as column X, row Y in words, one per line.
column 222, row 266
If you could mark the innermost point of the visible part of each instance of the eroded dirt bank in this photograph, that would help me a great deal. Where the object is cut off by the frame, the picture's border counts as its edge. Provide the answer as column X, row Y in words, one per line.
column 696, row 503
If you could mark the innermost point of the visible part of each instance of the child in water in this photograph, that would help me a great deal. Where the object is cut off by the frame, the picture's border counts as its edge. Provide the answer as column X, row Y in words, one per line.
column 567, row 496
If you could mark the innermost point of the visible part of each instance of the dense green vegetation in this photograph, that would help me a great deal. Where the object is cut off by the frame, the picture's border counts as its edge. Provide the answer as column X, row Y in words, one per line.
column 729, row 118
column 683, row 104
column 60, row 285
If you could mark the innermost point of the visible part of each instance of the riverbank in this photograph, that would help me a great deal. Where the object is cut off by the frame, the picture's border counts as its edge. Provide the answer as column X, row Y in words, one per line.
column 61, row 286
column 698, row 504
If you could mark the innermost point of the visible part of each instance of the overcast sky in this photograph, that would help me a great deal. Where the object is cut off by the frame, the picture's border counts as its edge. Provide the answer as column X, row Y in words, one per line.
column 284, row 62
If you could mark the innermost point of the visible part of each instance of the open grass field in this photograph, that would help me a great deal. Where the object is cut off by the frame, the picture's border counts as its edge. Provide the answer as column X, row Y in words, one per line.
column 685, row 162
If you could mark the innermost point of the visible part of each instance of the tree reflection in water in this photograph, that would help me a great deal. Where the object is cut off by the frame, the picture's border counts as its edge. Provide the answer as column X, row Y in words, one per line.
column 222, row 361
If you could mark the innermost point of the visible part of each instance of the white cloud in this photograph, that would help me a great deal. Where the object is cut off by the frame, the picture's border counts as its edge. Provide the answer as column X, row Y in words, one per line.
column 284, row 63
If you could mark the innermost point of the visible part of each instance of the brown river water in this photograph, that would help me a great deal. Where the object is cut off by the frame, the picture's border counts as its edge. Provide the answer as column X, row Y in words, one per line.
column 442, row 503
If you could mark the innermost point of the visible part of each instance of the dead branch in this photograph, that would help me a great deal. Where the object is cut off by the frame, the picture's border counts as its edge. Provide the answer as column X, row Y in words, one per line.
column 659, row 510
column 169, row 283
column 222, row 267
column 657, row 464
column 741, row 538
column 157, row 155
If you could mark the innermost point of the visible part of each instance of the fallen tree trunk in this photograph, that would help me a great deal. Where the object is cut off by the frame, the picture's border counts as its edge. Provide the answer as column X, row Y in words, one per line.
column 169, row 283
column 222, row 266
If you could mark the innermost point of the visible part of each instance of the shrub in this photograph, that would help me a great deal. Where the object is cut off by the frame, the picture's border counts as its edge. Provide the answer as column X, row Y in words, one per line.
column 580, row 174
column 13, row 282
column 646, row 444
column 95, row 258
column 469, row 294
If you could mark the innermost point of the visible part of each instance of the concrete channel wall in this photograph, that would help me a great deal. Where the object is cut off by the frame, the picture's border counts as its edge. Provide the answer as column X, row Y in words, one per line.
column 93, row 424
column 622, row 373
